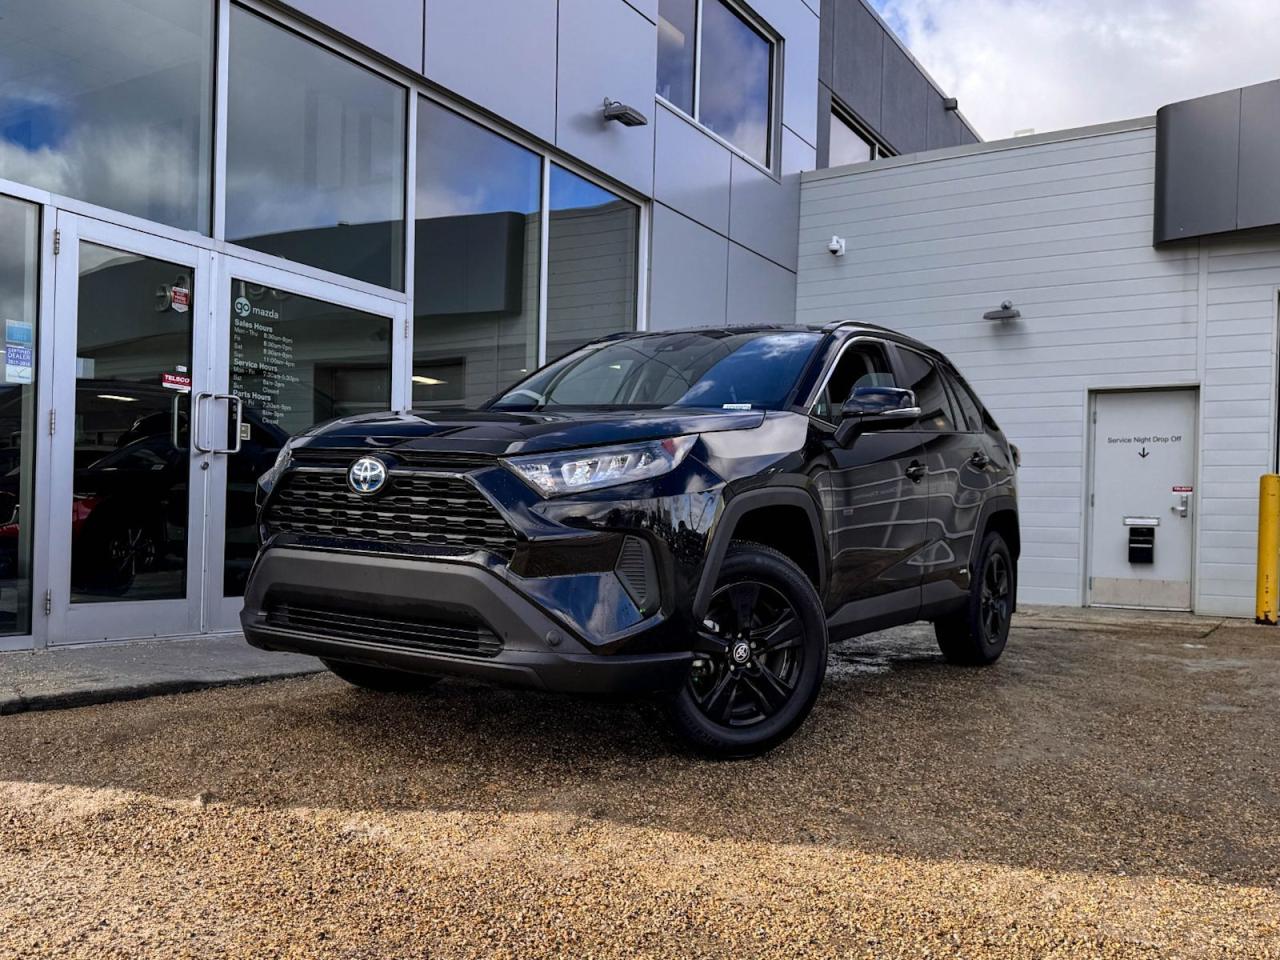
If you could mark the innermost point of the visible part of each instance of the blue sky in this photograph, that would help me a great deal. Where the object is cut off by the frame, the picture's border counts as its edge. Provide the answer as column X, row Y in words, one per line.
column 1055, row 64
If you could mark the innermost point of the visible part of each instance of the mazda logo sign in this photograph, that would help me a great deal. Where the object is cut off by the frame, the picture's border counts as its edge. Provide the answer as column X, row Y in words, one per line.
column 367, row 475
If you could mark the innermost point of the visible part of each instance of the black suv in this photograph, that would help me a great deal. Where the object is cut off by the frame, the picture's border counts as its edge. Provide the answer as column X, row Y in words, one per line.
column 690, row 515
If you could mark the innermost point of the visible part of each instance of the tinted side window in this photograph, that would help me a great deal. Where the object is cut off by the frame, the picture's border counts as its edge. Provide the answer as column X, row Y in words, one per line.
column 861, row 365
column 969, row 411
column 922, row 375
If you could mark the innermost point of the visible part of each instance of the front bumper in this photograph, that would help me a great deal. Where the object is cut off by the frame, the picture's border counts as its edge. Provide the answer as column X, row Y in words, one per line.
column 535, row 651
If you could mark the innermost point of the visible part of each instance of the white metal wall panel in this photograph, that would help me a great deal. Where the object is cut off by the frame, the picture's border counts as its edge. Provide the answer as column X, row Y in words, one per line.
column 1062, row 225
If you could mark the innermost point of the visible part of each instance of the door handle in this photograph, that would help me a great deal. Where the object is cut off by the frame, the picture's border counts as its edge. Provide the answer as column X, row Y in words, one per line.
column 1183, row 506
column 915, row 472
column 980, row 460
column 196, row 435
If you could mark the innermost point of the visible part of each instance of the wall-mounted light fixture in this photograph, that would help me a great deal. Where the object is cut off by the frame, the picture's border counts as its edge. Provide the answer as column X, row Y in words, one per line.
column 625, row 115
column 836, row 246
column 951, row 104
column 1006, row 314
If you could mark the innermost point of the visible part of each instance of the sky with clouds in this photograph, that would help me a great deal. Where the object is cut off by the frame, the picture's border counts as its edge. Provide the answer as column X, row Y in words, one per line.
column 1055, row 64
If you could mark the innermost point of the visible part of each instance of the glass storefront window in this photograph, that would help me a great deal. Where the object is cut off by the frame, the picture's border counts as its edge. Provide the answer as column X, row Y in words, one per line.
column 19, row 285
column 315, row 155
column 295, row 362
column 111, row 102
column 478, row 252
column 592, row 254
column 132, row 442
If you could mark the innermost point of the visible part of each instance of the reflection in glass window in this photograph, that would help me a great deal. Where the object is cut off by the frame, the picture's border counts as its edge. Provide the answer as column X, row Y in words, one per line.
column 592, row 263
column 847, row 144
column 736, row 79
column 677, row 44
column 130, row 498
column 315, row 155
column 111, row 102
column 477, row 256
column 19, row 278
column 295, row 362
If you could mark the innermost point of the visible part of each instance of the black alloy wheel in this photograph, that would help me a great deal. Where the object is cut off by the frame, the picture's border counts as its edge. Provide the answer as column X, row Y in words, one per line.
column 749, row 654
column 759, row 658
column 976, row 635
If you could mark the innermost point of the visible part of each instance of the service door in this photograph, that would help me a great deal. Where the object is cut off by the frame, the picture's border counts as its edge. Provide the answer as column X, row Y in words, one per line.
column 1143, row 499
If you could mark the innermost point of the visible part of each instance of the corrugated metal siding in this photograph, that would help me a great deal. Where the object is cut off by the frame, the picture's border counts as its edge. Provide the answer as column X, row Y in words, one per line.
column 1064, row 229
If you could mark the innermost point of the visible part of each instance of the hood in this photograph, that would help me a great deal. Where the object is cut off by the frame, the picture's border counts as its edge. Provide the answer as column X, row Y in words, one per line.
column 494, row 433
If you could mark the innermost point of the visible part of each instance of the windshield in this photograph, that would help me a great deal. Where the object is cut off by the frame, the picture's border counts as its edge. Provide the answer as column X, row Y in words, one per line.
column 738, row 371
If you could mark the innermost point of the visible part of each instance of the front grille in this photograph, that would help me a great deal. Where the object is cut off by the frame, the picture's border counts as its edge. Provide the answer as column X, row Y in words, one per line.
column 416, row 509
column 418, row 634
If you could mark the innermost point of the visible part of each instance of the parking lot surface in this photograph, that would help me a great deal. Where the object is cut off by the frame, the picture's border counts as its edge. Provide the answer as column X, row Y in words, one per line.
column 1111, row 791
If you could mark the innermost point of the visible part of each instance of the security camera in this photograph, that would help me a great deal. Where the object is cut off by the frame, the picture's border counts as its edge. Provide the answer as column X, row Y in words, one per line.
column 836, row 246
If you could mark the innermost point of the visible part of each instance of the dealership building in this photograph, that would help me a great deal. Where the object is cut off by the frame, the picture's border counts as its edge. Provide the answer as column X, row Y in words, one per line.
column 1112, row 292
column 222, row 222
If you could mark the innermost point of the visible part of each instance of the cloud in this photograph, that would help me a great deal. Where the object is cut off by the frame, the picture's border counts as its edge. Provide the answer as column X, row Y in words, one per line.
column 1055, row 64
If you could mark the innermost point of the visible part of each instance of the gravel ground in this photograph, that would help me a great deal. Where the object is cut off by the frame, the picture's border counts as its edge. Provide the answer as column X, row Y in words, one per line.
column 1109, row 792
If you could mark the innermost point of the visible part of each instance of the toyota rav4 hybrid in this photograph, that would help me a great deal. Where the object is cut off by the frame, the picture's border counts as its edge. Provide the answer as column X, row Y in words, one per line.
column 691, row 516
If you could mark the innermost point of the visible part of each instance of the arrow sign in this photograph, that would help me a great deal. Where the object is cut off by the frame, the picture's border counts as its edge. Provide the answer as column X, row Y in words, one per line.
column 1144, row 453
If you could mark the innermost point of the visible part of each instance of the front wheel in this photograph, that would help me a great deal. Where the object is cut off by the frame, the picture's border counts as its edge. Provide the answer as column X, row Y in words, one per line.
column 760, row 658
column 976, row 636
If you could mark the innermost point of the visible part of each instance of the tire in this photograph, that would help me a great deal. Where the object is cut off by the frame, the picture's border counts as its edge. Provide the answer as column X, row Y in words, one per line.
column 380, row 680
column 976, row 636
column 742, row 702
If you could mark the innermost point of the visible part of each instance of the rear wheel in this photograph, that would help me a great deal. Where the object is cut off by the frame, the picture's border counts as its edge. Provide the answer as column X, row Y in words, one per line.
column 761, row 655
column 381, row 680
column 977, row 636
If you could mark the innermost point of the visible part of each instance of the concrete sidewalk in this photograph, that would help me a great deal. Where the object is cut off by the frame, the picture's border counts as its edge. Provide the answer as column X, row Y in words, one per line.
column 102, row 672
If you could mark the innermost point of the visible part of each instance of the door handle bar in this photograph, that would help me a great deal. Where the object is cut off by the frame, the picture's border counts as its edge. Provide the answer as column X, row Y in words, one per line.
column 196, row 434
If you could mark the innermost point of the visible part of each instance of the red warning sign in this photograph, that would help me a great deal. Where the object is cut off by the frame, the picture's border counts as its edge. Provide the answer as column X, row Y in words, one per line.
column 180, row 299
column 175, row 381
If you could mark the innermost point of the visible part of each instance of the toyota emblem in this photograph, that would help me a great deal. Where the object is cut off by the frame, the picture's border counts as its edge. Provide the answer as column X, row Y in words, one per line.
column 367, row 475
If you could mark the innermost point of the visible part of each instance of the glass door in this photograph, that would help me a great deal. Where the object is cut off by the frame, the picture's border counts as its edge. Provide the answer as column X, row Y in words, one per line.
column 129, row 474
column 288, row 352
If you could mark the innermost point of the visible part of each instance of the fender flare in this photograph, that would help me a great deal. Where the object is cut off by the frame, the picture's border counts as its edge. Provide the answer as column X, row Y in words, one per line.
column 734, row 510
column 998, row 504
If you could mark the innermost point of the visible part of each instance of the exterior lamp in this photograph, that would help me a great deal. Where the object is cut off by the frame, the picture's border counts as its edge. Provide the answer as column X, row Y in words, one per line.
column 625, row 115
column 1006, row 314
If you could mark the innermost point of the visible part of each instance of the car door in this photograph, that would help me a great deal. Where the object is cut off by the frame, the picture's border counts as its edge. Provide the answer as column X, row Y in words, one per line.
column 956, row 461
column 873, row 494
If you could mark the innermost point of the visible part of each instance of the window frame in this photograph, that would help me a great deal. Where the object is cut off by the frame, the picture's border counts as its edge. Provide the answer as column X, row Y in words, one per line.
column 776, row 44
column 815, row 395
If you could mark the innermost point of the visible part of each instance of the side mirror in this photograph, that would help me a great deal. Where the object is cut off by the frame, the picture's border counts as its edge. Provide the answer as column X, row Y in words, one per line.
column 873, row 408
column 883, row 405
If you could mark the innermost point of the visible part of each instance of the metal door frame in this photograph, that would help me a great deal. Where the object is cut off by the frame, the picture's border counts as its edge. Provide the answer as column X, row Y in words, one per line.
column 221, row 614
column 1087, row 538
column 70, row 623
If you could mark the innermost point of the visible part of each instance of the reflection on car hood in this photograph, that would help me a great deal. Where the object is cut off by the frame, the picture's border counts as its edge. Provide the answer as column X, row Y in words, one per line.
column 496, row 433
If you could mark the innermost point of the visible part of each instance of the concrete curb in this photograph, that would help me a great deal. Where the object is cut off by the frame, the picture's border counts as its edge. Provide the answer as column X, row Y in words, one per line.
column 11, row 705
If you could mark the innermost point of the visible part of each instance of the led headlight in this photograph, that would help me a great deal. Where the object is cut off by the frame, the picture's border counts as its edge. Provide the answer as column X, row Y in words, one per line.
column 574, row 471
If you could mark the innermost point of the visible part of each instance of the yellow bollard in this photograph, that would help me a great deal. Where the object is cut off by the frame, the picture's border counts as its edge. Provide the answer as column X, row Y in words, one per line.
column 1269, row 549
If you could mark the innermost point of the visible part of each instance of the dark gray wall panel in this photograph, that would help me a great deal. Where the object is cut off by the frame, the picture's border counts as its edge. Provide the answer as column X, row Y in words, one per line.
column 824, row 128
column 858, row 60
column 500, row 54
column 691, row 171
column 1259, row 194
column 689, row 267
column 396, row 30
column 943, row 127
column 1197, row 167
column 905, row 104
column 607, row 49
